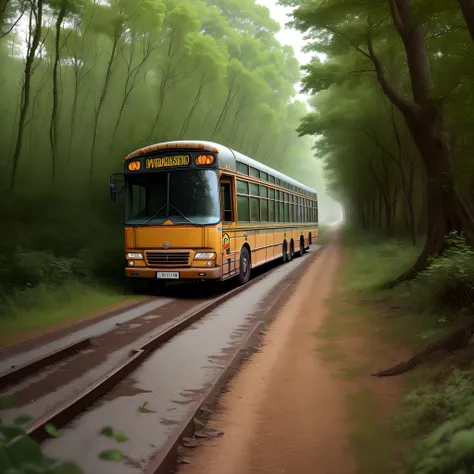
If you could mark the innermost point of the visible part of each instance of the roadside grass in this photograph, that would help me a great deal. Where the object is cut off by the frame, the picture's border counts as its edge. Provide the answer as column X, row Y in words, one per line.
column 368, row 329
column 369, row 440
column 44, row 308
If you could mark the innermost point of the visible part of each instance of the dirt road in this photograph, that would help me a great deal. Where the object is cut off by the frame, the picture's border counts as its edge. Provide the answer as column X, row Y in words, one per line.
column 284, row 412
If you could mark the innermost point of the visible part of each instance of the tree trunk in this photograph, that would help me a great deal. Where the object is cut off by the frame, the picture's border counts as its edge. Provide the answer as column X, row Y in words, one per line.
column 467, row 8
column 225, row 109
column 3, row 13
column 53, row 129
column 426, row 121
column 445, row 209
column 103, row 95
column 26, row 90
column 196, row 100
column 412, row 220
column 72, row 127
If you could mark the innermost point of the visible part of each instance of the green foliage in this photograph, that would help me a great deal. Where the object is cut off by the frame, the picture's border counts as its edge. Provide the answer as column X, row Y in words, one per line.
column 143, row 408
column 131, row 73
column 51, row 430
column 111, row 455
column 434, row 403
column 110, row 433
column 19, row 454
column 375, row 260
column 444, row 414
column 448, row 282
column 371, row 161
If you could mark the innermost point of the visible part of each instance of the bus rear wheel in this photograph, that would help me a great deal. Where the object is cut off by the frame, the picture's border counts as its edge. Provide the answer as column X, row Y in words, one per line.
column 291, row 253
column 244, row 273
column 302, row 250
column 284, row 253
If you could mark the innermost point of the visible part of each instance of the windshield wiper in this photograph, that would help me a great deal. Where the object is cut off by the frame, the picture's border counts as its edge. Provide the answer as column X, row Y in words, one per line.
column 153, row 216
column 182, row 215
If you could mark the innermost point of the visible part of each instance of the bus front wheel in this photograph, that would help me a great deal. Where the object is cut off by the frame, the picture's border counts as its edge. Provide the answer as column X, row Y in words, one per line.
column 244, row 274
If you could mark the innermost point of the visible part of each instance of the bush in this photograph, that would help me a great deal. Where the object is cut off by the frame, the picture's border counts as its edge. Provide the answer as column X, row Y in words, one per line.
column 447, row 282
column 432, row 403
column 54, row 240
column 441, row 412
column 448, row 450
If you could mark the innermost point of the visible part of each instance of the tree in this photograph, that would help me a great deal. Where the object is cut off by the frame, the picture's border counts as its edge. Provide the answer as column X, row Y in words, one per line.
column 423, row 111
column 34, row 32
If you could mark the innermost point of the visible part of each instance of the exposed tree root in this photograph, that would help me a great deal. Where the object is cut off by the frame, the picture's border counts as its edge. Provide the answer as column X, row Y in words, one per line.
column 455, row 340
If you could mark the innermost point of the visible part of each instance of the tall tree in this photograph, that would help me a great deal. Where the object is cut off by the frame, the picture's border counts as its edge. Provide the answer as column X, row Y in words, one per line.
column 423, row 112
column 34, row 37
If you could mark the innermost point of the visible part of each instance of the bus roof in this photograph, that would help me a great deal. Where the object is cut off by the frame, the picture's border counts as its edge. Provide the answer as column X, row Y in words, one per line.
column 228, row 157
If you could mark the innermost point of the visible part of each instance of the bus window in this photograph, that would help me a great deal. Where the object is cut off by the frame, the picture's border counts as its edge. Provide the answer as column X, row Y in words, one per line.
column 227, row 214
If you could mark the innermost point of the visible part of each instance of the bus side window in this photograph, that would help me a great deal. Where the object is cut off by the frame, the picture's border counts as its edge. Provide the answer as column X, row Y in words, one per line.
column 226, row 203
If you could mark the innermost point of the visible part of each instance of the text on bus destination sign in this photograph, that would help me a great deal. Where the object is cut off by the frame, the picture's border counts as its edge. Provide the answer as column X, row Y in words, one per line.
column 165, row 161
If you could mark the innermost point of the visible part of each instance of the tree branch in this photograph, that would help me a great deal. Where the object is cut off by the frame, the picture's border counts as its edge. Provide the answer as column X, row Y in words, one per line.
column 396, row 18
column 404, row 105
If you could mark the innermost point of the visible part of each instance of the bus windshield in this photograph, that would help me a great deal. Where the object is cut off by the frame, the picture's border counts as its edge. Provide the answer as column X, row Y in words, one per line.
column 184, row 197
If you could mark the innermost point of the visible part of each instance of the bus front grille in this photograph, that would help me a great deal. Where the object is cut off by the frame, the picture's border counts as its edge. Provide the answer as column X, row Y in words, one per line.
column 163, row 259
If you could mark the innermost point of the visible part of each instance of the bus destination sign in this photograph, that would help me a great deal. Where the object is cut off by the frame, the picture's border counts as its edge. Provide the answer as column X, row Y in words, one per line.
column 167, row 161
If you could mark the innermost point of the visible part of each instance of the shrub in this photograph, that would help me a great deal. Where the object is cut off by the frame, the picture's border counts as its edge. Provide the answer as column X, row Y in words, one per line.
column 429, row 405
column 448, row 281
column 448, row 450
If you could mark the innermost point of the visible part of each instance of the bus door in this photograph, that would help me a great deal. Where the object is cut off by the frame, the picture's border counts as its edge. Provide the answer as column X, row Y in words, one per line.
column 227, row 218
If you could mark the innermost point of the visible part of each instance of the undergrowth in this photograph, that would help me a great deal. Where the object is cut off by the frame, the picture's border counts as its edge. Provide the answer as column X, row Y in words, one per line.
column 58, row 254
column 438, row 411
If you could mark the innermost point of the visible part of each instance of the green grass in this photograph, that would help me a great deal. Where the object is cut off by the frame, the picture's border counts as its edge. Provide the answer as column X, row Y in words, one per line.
column 45, row 306
column 368, row 439
column 437, row 416
column 374, row 260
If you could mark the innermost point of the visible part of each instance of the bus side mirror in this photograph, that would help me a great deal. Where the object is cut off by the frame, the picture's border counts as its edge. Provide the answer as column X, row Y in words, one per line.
column 113, row 192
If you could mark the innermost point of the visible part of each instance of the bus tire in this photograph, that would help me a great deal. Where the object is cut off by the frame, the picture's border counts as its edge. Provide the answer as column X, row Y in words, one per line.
column 244, row 272
column 291, row 253
column 284, row 253
column 302, row 247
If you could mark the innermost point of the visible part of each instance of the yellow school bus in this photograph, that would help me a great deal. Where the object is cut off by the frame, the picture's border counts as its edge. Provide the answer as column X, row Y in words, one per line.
column 199, row 210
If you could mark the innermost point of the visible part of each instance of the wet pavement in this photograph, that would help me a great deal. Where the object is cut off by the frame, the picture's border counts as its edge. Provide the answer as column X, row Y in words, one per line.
column 96, row 329
column 172, row 381
column 37, row 394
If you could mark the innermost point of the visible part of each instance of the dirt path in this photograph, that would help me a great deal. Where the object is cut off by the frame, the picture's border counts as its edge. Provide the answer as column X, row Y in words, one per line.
column 306, row 403
column 285, row 412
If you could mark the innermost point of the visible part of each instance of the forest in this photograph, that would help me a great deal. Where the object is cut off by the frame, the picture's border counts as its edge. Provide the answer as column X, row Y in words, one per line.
column 393, row 116
column 85, row 82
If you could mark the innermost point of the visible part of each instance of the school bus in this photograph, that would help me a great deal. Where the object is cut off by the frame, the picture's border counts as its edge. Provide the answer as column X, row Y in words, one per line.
column 202, row 211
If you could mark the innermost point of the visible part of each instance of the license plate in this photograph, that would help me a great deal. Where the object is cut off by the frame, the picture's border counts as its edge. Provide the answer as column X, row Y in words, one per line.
column 168, row 275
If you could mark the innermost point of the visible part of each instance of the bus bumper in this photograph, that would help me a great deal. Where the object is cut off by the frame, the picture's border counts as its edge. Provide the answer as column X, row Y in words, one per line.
column 184, row 273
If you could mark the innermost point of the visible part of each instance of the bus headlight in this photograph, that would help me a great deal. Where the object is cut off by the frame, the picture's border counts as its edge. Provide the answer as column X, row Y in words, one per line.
column 131, row 263
column 209, row 263
column 136, row 256
column 205, row 255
